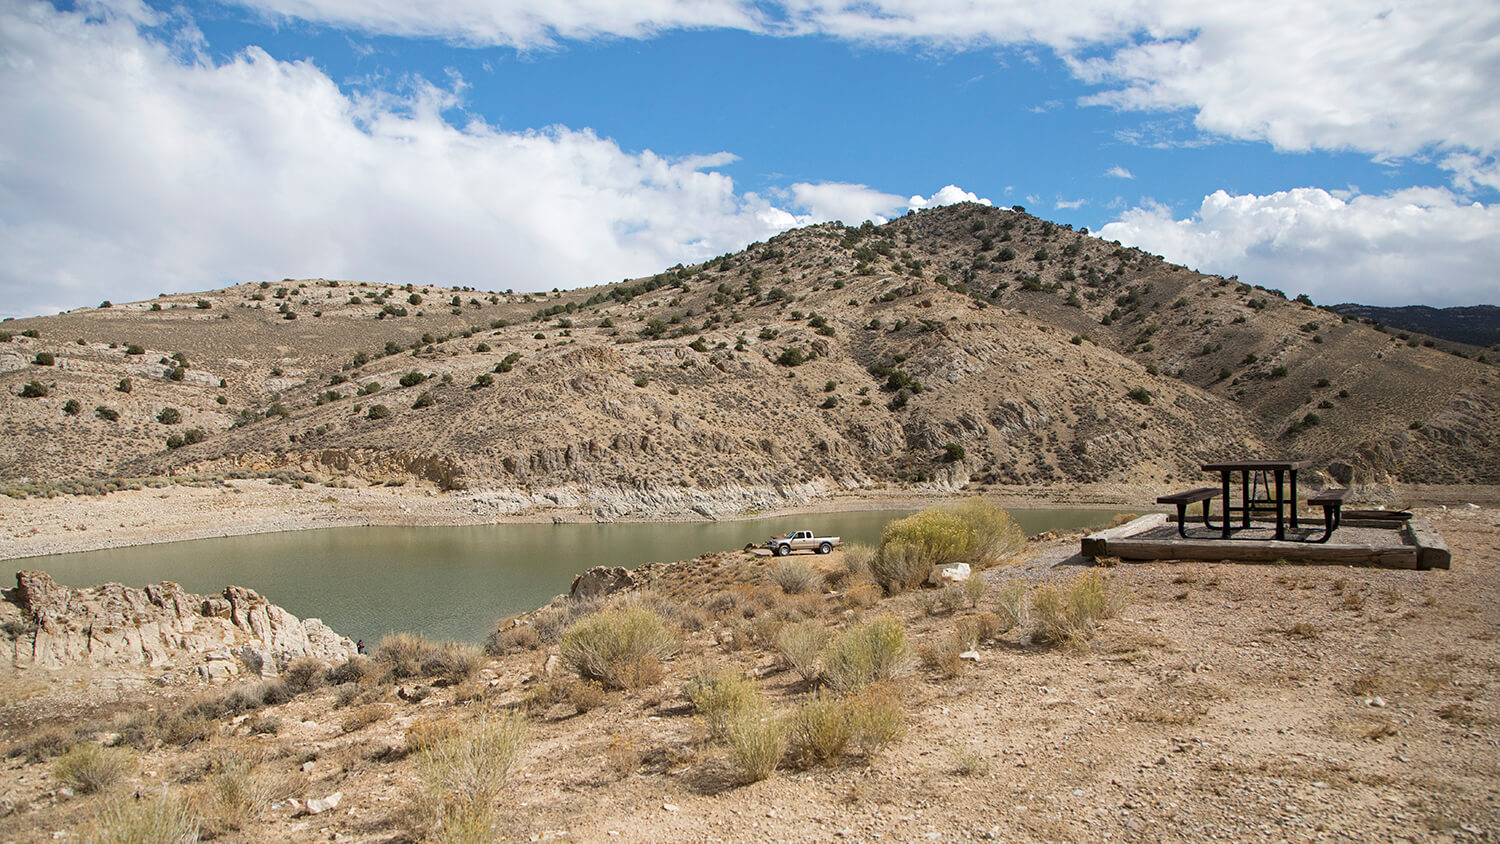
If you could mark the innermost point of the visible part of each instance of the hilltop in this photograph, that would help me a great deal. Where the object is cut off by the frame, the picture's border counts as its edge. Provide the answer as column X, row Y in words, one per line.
column 1477, row 325
column 962, row 347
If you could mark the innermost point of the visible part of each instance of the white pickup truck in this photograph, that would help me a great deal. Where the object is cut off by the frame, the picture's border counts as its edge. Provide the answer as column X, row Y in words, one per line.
column 802, row 540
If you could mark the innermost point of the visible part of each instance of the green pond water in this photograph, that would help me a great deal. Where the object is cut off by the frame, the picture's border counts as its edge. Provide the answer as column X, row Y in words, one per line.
column 450, row 582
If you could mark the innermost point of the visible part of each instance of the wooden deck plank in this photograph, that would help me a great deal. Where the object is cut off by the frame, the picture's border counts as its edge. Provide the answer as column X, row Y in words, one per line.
column 1262, row 551
column 1432, row 551
column 1094, row 545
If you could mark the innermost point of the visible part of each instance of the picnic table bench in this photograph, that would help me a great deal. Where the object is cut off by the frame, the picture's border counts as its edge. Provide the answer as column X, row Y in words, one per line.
column 1332, row 502
column 1190, row 496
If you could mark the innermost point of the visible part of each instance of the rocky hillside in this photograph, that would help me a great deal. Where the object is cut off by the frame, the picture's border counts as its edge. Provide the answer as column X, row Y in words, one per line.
column 960, row 346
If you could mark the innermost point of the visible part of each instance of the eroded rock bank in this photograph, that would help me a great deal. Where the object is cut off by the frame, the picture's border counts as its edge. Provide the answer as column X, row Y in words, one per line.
column 166, row 633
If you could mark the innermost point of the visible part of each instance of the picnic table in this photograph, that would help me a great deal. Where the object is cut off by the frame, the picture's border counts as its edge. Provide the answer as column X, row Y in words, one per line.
column 1256, row 496
column 1285, row 502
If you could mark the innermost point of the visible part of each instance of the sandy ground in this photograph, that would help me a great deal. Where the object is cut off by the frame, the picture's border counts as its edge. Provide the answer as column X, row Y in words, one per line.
column 1224, row 702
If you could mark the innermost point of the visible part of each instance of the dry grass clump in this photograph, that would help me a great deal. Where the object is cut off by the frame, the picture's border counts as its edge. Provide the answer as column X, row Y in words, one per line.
column 88, row 768
column 363, row 716
column 233, row 792
column 403, row 654
column 1070, row 614
column 352, row 670
column 973, row 531
column 721, row 697
column 819, row 730
column 163, row 819
column 795, row 577
column 1015, row 608
column 756, row 742
column 975, row 588
column 944, row 657
column 857, row 559
column 454, row 662
column 585, row 695
column 462, row 778
column 512, row 638
column 879, row 718
column 968, row 762
column 620, row 647
column 863, row 595
column 800, row 645
column 866, row 653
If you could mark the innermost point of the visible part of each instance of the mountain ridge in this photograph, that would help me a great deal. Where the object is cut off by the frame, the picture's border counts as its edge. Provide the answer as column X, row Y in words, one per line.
column 950, row 349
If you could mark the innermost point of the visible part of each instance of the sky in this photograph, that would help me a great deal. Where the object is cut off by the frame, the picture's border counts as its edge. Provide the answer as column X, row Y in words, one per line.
column 1345, row 149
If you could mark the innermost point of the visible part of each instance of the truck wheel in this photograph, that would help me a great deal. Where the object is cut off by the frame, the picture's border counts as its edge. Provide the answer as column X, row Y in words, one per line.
column 825, row 548
column 783, row 550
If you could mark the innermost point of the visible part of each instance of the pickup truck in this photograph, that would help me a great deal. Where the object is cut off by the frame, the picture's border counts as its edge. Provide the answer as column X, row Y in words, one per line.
column 802, row 540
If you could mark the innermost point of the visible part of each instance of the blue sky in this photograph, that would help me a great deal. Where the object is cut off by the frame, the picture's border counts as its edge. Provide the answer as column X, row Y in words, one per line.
column 1348, row 151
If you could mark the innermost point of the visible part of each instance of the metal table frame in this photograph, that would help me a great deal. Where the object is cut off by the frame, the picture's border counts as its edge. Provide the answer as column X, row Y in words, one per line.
column 1283, row 469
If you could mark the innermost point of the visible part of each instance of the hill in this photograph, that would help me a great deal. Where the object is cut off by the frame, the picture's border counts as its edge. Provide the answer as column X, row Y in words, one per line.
column 961, row 346
column 1476, row 325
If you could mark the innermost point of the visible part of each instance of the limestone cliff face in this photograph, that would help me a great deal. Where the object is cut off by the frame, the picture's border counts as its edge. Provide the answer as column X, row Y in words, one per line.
column 160, row 629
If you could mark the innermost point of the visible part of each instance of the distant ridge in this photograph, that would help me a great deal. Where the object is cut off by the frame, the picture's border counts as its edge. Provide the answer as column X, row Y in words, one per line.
column 1478, row 325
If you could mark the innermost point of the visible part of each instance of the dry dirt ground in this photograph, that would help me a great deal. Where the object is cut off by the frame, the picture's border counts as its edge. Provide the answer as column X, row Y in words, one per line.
column 1230, row 702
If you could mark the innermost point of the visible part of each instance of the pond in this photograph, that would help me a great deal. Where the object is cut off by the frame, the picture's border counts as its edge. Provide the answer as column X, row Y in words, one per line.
column 450, row 582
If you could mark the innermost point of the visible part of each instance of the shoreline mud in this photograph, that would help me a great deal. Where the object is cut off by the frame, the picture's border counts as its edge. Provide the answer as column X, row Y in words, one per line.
column 34, row 527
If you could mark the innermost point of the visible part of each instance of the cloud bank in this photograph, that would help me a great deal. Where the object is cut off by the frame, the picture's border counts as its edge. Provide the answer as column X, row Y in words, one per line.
column 1418, row 245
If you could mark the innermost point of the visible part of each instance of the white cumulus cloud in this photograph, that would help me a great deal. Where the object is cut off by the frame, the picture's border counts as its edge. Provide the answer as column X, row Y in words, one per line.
column 949, row 195
column 129, row 169
column 841, row 201
column 1119, row 172
column 1420, row 245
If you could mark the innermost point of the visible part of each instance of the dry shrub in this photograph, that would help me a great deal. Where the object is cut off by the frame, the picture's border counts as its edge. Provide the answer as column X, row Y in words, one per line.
column 800, row 645
column 863, row 595
column 364, row 716
column 866, row 653
column 585, row 695
column 1014, row 605
column 756, row 742
column 511, row 639
column 720, row 697
column 857, row 559
column 973, row 531
column 987, row 626
column 352, row 670
column 345, row 694
column 974, row 588
column 46, row 742
column 878, row 718
column 88, row 768
column 462, row 778
column 304, row 674
column 624, row 753
column 795, row 577
column 819, row 730
column 1070, row 614
column 951, row 598
column 621, row 648
column 429, row 732
column 163, row 819
column 233, row 793
column 405, row 655
column 454, row 662
column 943, row 657
column 968, row 762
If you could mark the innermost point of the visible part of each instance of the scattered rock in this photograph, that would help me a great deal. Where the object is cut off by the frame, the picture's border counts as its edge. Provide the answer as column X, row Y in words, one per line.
column 318, row 806
column 949, row 573
column 601, row 580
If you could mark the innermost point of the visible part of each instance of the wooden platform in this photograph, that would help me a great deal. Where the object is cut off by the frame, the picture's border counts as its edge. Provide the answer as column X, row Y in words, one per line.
column 1358, row 542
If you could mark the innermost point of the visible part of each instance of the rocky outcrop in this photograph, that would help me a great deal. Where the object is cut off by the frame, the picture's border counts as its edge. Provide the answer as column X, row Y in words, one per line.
column 161, row 629
column 600, row 581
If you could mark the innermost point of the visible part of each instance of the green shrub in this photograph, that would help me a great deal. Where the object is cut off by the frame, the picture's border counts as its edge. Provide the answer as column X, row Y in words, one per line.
column 621, row 648
column 34, row 390
column 866, row 653
column 1014, row 605
column 412, row 379
column 819, row 730
column 169, row 416
column 720, row 697
column 800, row 644
column 377, row 411
column 1070, row 614
column 124, row 386
column 1140, row 395
column 45, row 359
column 791, row 356
column 973, row 532
column 878, row 718
column 108, row 414
column 424, row 400
column 72, row 407
column 88, row 768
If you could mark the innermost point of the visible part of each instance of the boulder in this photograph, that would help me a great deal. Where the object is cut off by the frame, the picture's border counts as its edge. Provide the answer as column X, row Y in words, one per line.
column 601, row 580
column 162, row 628
column 949, row 573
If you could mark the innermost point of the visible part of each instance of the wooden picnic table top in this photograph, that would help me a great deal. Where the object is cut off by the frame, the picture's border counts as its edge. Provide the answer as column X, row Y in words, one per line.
column 1255, row 465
